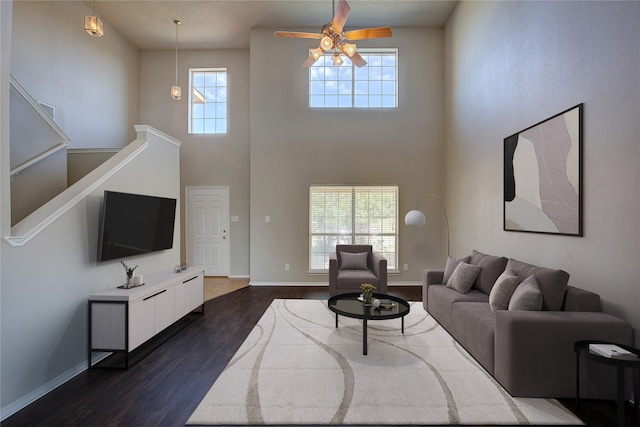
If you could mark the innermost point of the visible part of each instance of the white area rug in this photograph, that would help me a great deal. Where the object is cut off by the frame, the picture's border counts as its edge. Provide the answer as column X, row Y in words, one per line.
column 295, row 367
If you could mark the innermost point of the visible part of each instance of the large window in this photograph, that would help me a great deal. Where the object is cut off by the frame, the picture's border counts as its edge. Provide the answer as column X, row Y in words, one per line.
column 352, row 215
column 373, row 86
column 208, row 100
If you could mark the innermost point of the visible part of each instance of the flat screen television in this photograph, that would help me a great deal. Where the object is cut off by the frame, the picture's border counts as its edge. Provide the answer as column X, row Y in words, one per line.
column 133, row 224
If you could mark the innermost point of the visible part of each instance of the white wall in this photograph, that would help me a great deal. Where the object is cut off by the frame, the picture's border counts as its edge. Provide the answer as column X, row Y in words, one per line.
column 206, row 160
column 510, row 65
column 95, row 78
column 293, row 146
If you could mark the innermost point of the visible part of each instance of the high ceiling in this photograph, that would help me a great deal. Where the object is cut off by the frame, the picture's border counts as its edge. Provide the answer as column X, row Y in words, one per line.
column 148, row 24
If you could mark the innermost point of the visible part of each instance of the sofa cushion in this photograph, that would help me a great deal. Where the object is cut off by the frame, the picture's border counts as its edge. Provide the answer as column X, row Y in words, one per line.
column 492, row 267
column 474, row 329
column 452, row 263
column 552, row 283
column 463, row 277
column 503, row 290
column 527, row 296
column 353, row 261
column 440, row 300
column 350, row 279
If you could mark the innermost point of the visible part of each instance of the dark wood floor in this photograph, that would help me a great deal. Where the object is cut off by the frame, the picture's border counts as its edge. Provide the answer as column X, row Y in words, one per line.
column 164, row 388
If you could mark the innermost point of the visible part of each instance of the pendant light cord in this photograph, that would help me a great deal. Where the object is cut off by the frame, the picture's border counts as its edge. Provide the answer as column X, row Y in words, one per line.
column 177, row 24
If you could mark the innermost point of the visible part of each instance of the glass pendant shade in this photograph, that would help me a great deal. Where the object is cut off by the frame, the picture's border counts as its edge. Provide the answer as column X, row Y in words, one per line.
column 176, row 92
column 94, row 26
column 337, row 60
column 317, row 53
column 326, row 43
column 348, row 48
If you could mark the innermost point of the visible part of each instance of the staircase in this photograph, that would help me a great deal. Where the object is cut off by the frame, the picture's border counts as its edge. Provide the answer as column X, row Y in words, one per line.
column 38, row 156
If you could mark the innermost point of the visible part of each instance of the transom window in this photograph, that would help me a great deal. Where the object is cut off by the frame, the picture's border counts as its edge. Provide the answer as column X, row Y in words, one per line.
column 352, row 215
column 373, row 86
column 208, row 100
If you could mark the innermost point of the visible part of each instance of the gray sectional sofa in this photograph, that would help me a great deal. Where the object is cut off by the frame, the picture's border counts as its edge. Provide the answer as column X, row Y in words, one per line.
column 528, row 351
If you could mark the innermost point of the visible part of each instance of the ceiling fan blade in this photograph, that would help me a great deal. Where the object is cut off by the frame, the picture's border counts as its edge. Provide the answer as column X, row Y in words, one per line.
column 358, row 60
column 368, row 33
column 340, row 16
column 309, row 62
column 298, row 35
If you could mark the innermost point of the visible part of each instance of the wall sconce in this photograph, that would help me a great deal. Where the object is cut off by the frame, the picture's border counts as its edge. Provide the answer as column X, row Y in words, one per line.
column 416, row 218
column 176, row 91
column 93, row 24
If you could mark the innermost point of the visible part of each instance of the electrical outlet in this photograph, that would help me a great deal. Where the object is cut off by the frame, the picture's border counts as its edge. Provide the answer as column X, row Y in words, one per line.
column 406, row 267
column 286, row 267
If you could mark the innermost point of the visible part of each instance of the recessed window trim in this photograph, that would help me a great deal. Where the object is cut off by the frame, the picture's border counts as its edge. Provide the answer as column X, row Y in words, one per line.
column 350, row 223
column 215, row 118
column 353, row 82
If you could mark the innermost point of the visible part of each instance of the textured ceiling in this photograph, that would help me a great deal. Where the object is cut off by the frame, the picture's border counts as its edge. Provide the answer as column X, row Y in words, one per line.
column 148, row 24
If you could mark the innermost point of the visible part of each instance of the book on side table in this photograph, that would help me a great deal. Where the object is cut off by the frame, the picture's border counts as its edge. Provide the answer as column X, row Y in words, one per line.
column 612, row 351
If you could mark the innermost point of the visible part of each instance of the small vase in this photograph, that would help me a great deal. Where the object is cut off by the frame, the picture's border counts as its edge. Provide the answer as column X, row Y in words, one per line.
column 129, row 281
column 366, row 300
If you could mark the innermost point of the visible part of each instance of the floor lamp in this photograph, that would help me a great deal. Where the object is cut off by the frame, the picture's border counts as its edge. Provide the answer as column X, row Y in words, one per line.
column 416, row 218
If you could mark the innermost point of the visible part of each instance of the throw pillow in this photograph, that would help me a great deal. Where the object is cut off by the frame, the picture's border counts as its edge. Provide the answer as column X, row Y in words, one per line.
column 492, row 268
column 452, row 263
column 552, row 283
column 353, row 261
column 527, row 296
column 503, row 290
column 463, row 277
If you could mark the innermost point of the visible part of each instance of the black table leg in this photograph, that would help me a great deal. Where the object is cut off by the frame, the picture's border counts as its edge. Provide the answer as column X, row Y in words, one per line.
column 402, row 318
column 636, row 391
column 364, row 336
column 620, row 396
column 336, row 320
column 577, row 381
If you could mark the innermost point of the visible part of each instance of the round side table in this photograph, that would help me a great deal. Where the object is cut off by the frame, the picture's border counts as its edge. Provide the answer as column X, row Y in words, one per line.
column 582, row 350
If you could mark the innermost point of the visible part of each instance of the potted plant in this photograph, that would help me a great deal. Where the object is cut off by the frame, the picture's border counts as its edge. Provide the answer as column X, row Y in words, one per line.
column 129, row 273
column 367, row 292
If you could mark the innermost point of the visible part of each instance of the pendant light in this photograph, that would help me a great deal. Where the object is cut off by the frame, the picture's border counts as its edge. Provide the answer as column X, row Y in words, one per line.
column 93, row 24
column 176, row 92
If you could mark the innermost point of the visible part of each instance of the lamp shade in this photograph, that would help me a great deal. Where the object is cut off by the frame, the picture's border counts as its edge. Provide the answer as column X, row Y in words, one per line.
column 94, row 26
column 414, row 218
column 326, row 43
column 176, row 92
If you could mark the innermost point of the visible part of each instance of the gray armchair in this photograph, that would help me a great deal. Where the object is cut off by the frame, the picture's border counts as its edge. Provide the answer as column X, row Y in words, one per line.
column 352, row 265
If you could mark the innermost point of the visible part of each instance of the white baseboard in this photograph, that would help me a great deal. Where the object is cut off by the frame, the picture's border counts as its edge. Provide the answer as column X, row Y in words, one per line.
column 239, row 276
column 36, row 394
column 323, row 284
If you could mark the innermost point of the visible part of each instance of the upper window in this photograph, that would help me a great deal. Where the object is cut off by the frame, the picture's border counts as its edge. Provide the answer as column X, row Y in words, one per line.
column 373, row 86
column 352, row 215
column 208, row 100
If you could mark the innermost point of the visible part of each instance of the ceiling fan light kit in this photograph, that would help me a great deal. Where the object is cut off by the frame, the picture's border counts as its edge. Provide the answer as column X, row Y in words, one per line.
column 332, row 37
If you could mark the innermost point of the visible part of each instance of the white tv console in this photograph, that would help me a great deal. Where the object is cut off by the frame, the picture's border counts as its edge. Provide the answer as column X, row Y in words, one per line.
column 120, row 320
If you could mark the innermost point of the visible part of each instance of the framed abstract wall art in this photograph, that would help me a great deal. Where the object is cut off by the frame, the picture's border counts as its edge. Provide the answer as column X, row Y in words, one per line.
column 543, row 176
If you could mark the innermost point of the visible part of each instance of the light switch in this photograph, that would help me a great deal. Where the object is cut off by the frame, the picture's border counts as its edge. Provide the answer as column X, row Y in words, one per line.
column 235, row 218
column 267, row 219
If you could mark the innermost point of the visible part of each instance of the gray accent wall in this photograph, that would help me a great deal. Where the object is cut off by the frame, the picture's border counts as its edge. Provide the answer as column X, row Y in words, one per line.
column 294, row 146
column 510, row 65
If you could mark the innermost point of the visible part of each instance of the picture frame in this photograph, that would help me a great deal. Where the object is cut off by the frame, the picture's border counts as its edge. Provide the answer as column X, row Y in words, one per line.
column 543, row 176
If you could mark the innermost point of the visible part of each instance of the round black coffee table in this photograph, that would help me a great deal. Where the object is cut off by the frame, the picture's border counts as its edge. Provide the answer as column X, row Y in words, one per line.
column 348, row 305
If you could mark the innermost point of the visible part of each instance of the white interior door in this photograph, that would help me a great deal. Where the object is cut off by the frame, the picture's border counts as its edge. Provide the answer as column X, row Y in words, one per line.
column 208, row 229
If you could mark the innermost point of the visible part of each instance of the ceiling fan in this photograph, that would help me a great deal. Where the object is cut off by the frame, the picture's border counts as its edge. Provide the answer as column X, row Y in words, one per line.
column 332, row 37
